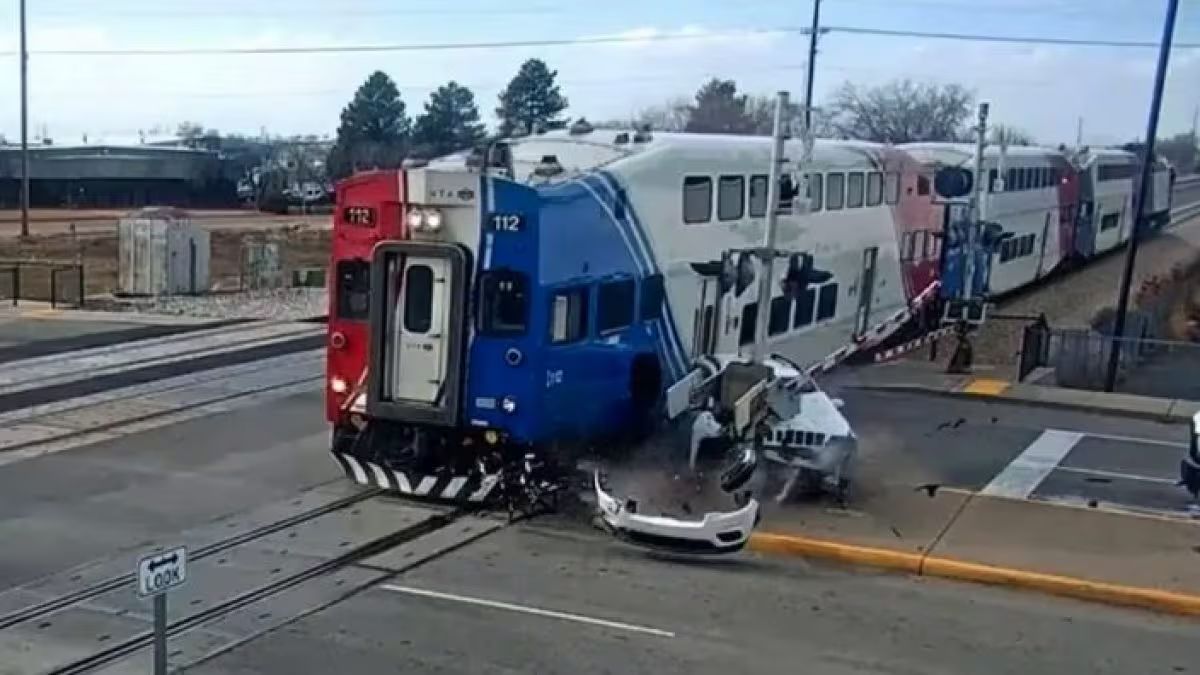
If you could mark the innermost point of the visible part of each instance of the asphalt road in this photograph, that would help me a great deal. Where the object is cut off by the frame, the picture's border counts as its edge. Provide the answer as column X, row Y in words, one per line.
column 1113, row 462
column 70, row 507
column 554, row 596
column 576, row 602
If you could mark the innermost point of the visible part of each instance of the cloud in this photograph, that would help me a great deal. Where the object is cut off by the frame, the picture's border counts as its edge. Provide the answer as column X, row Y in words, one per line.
column 1041, row 89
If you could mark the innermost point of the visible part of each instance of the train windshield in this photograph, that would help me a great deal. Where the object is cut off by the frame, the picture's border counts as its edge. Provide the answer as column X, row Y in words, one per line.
column 353, row 289
column 504, row 303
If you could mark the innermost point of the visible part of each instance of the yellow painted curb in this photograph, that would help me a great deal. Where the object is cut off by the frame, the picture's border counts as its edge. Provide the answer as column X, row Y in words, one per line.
column 986, row 387
column 959, row 570
column 1081, row 589
column 785, row 544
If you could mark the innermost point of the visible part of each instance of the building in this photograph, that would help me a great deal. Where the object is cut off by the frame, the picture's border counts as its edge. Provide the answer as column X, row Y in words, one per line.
column 116, row 176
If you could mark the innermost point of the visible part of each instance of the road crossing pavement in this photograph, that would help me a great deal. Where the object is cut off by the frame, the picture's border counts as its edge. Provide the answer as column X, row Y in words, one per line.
column 1021, row 452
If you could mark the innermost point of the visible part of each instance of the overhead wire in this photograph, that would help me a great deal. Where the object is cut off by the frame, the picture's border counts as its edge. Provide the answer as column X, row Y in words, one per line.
column 602, row 40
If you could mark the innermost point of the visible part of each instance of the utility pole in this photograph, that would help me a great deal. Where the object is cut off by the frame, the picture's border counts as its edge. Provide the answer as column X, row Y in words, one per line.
column 975, row 210
column 812, row 63
column 767, row 253
column 1143, row 185
column 1079, row 133
column 24, row 129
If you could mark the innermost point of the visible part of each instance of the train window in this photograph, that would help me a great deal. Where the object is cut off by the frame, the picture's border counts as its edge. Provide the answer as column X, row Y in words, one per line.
column 816, row 191
column 353, row 289
column 922, row 185
column 933, row 246
column 651, row 302
column 503, row 303
column 614, row 305
column 697, row 199
column 874, row 188
column 781, row 315
column 892, row 192
column 758, row 196
column 992, row 176
column 788, row 191
column 1109, row 221
column 827, row 302
column 1010, row 181
column 804, row 307
column 1007, row 248
column 749, row 320
column 418, row 299
column 854, row 190
column 569, row 315
column 731, row 197
column 835, row 191
column 1046, row 182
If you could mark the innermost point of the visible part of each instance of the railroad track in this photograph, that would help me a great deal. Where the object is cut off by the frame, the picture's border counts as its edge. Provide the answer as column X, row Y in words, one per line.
column 432, row 531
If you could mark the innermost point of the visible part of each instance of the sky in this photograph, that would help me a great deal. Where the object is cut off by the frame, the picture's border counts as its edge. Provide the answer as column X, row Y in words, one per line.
column 1041, row 89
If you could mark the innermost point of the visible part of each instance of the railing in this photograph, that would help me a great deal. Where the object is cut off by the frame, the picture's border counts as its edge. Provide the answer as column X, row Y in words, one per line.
column 1147, row 366
column 43, row 281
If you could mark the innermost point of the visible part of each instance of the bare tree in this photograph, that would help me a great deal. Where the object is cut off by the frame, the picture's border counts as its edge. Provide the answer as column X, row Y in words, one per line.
column 1003, row 134
column 901, row 112
column 670, row 116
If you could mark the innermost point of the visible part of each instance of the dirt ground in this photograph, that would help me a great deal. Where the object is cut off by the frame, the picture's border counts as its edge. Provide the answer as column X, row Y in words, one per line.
column 302, row 246
column 91, row 221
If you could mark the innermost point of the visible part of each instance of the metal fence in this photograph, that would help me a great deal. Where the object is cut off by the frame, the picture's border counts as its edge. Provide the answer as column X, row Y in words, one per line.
column 55, row 282
column 1147, row 366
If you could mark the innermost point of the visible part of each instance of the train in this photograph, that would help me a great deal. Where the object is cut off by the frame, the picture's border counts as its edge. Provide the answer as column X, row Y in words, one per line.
column 509, row 303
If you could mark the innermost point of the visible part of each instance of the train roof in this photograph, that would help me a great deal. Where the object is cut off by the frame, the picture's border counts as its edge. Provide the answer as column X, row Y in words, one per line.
column 581, row 152
column 1088, row 155
column 960, row 153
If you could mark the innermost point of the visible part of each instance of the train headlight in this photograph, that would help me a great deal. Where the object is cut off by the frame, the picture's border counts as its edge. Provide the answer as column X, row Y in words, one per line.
column 508, row 405
column 338, row 386
column 424, row 220
column 432, row 219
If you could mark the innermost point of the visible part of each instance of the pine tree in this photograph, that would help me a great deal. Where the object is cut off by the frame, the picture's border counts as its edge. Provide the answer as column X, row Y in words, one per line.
column 531, row 100
column 450, row 122
column 374, row 132
column 719, row 109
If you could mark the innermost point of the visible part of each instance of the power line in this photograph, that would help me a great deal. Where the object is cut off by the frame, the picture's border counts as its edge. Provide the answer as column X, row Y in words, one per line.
column 1009, row 39
column 600, row 40
column 428, row 46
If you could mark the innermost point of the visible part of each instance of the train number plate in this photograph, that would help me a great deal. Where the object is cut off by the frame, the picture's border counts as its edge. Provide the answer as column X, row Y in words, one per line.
column 506, row 222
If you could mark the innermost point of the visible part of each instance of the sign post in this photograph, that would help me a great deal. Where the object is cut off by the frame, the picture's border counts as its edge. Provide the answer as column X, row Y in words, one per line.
column 157, row 574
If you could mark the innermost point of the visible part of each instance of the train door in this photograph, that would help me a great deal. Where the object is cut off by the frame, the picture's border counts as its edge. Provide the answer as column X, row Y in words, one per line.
column 1037, row 273
column 707, row 321
column 1085, row 219
column 419, row 328
column 866, row 289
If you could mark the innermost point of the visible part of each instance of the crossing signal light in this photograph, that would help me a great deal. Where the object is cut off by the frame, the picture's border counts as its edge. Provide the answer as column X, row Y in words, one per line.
column 953, row 181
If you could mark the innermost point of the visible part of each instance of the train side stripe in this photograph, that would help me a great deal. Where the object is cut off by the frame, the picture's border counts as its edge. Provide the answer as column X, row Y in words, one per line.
column 635, row 224
column 624, row 230
column 402, row 483
column 356, row 470
column 452, row 488
column 381, row 477
column 425, row 486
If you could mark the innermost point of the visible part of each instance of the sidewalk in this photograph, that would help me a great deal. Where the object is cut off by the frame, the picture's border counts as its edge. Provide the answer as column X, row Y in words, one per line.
column 1140, row 561
column 1120, row 558
column 921, row 378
